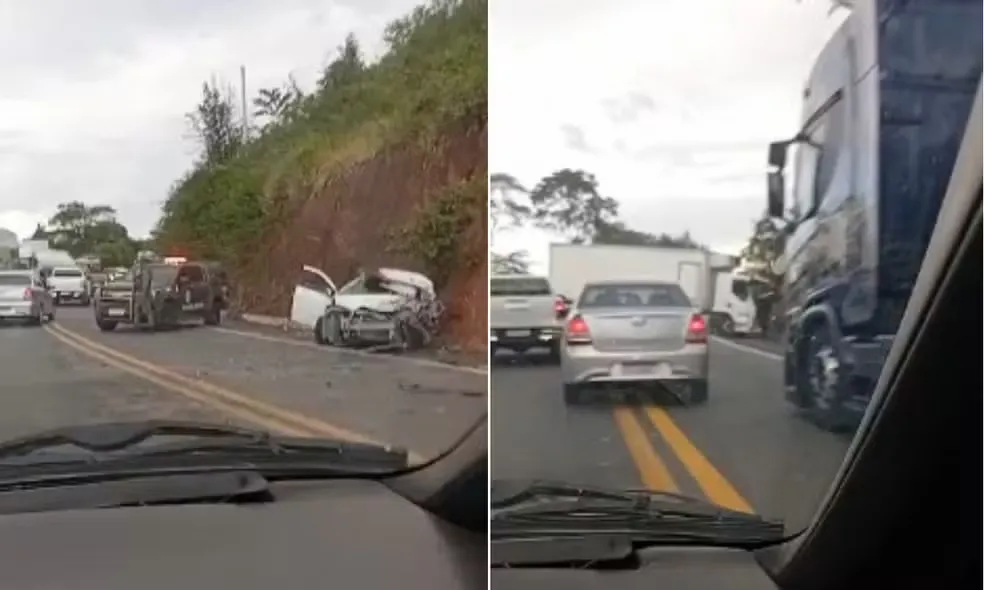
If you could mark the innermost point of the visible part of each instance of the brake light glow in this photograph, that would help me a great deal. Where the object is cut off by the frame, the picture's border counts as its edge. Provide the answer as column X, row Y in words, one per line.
column 697, row 329
column 577, row 331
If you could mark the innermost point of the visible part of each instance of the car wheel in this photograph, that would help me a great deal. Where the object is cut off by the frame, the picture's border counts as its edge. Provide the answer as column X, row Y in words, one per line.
column 319, row 332
column 332, row 331
column 698, row 393
column 572, row 394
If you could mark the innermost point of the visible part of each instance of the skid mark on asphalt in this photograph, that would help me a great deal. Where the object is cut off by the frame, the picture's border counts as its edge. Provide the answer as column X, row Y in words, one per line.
column 654, row 471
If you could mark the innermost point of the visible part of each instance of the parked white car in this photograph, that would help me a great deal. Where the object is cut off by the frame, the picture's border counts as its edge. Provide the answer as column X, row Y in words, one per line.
column 369, row 308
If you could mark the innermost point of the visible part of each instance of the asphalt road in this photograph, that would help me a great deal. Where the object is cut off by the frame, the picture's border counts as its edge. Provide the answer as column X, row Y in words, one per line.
column 69, row 372
column 745, row 449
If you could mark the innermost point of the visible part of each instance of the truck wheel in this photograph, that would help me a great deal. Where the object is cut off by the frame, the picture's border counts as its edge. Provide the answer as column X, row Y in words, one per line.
column 106, row 325
column 820, row 380
column 213, row 317
column 554, row 356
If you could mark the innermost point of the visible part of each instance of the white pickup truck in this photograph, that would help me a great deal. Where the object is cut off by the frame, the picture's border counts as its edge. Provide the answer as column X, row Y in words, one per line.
column 524, row 313
column 68, row 283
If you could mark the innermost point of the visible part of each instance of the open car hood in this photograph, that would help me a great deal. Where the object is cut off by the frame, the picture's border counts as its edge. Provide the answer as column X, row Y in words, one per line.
column 404, row 282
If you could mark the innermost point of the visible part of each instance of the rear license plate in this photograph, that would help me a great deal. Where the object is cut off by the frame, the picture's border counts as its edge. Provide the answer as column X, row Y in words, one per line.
column 116, row 312
column 653, row 370
column 518, row 333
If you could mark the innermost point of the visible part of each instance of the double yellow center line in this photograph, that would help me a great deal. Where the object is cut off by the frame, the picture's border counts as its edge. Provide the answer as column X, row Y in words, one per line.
column 653, row 470
column 224, row 400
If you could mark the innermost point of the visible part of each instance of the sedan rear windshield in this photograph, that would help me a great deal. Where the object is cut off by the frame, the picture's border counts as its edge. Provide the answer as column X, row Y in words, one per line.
column 525, row 286
column 14, row 280
column 634, row 295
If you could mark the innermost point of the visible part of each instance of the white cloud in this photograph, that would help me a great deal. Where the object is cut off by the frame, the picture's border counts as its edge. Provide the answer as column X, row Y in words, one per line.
column 97, row 113
column 676, row 102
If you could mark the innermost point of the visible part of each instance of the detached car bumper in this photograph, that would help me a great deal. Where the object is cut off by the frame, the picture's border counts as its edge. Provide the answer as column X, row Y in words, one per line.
column 583, row 364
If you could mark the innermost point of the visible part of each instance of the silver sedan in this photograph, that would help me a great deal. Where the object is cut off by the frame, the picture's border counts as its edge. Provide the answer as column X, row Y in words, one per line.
column 635, row 334
column 24, row 296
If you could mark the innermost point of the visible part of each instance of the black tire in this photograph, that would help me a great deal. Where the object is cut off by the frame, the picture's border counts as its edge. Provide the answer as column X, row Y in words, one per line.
column 698, row 392
column 213, row 317
column 319, row 332
column 106, row 325
column 332, row 331
column 554, row 355
column 572, row 394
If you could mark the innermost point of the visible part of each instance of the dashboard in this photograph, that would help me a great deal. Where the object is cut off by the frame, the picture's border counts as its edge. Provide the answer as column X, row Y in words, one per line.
column 334, row 534
column 664, row 568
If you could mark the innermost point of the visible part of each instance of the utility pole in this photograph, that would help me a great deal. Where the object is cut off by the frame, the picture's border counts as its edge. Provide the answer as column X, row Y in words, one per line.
column 242, row 86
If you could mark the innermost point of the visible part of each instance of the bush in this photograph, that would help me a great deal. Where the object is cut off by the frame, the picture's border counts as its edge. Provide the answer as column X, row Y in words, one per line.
column 433, row 73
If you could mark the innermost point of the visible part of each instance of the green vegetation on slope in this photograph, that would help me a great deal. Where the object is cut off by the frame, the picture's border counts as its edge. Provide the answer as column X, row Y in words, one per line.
column 433, row 73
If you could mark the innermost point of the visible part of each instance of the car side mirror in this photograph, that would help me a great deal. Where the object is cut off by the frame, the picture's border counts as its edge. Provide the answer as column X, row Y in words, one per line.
column 777, row 194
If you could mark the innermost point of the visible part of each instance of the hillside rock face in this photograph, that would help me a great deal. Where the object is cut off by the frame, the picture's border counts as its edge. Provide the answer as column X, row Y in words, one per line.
column 347, row 220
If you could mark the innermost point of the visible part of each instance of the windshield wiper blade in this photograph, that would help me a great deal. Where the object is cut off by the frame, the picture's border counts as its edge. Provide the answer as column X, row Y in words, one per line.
column 538, row 510
column 115, row 441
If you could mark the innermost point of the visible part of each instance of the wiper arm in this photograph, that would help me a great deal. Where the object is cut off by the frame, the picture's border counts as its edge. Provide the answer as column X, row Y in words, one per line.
column 124, row 440
column 535, row 511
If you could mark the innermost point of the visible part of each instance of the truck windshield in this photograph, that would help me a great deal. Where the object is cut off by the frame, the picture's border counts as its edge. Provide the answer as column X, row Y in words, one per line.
column 739, row 287
column 634, row 295
column 528, row 286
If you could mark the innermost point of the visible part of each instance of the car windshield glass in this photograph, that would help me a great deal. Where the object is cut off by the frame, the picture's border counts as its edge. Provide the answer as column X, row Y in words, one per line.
column 633, row 295
column 735, row 295
column 15, row 280
column 372, row 159
column 519, row 286
column 161, row 275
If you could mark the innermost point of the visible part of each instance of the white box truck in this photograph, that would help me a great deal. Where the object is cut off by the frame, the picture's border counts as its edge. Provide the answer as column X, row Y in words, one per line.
column 706, row 277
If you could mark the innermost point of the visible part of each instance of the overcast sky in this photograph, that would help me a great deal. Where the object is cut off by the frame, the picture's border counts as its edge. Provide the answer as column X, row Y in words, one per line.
column 670, row 104
column 94, row 92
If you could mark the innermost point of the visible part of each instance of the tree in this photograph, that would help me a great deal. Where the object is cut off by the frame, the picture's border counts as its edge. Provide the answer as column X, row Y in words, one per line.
column 569, row 203
column 504, row 210
column 278, row 103
column 513, row 263
column 39, row 233
column 345, row 68
column 82, row 229
column 215, row 124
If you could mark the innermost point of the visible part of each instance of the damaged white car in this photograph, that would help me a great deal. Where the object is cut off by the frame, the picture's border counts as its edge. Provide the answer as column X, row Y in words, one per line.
column 388, row 307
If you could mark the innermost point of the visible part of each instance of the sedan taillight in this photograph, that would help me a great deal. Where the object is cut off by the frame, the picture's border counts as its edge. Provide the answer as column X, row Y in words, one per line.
column 697, row 329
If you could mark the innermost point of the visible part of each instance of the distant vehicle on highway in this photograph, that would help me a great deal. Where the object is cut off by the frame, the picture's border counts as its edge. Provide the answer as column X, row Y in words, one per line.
column 24, row 296
column 158, row 295
column 523, row 314
column 635, row 333
column 69, row 283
